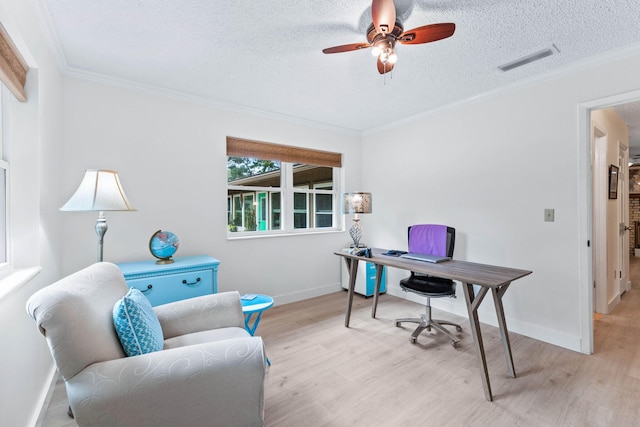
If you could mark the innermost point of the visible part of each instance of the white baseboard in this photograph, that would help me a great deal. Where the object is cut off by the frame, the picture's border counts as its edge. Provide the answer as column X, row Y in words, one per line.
column 488, row 316
column 306, row 294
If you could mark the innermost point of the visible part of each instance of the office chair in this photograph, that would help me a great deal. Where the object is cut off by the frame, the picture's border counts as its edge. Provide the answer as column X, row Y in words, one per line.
column 433, row 240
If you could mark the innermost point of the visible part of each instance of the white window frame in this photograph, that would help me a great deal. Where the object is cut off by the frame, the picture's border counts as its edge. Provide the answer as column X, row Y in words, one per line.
column 4, row 168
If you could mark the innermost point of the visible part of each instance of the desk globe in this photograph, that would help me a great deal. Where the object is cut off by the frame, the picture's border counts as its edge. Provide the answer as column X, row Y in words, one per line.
column 163, row 244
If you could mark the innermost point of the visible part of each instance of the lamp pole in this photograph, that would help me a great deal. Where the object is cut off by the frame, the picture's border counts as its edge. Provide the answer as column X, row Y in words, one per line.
column 101, row 229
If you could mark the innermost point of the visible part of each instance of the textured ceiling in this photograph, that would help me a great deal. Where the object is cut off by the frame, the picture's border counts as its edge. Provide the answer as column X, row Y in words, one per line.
column 267, row 55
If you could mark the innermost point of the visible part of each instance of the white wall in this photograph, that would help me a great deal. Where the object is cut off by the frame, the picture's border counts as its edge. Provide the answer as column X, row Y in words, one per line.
column 171, row 159
column 489, row 169
column 35, row 162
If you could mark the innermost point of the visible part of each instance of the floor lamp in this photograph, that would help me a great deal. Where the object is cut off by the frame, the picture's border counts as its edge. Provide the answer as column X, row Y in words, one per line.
column 357, row 203
column 99, row 191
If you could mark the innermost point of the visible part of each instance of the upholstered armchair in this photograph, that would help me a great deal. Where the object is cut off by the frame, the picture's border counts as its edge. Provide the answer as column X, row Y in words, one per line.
column 209, row 372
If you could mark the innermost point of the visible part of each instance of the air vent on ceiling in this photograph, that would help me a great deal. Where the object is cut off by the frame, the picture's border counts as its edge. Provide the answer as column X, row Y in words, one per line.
column 529, row 58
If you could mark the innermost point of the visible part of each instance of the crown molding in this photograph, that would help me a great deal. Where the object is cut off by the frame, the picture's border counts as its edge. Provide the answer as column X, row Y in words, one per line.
column 201, row 100
column 50, row 36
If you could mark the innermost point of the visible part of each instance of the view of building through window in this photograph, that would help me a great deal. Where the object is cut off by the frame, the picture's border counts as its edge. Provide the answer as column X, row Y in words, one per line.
column 280, row 189
column 256, row 191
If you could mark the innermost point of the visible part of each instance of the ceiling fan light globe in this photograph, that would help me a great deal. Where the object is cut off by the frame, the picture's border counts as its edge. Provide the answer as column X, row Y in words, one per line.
column 375, row 51
column 392, row 58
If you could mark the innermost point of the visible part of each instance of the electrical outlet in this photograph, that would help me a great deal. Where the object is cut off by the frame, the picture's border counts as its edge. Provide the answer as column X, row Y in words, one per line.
column 549, row 215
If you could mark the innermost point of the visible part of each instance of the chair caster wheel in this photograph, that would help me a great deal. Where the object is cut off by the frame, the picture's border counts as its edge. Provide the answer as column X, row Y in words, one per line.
column 397, row 324
column 412, row 340
column 454, row 344
column 458, row 328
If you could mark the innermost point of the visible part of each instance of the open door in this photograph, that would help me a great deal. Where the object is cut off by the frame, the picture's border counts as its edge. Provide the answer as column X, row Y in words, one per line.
column 623, row 209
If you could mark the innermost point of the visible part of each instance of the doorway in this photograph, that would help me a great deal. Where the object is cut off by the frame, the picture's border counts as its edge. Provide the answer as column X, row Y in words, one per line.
column 604, row 219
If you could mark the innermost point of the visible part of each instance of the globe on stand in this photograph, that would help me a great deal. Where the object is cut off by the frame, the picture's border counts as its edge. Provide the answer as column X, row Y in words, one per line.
column 163, row 244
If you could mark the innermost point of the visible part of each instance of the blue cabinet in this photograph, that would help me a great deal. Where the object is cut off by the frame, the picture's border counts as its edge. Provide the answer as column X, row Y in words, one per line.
column 365, row 279
column 187, row 277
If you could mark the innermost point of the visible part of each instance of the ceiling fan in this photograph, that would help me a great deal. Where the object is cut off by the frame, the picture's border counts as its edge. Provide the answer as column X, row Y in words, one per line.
column 385, row 32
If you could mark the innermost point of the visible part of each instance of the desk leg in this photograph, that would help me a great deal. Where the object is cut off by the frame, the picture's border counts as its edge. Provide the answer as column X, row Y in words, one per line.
column 352, row 266
column 502, row 323
column 376, row 294
column 473, row 301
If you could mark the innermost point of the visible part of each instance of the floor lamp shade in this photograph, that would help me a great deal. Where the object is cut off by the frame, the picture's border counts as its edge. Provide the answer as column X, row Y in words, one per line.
column 99, row 191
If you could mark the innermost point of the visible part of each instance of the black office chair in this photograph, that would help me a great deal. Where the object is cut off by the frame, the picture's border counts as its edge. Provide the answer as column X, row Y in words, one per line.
column 433, row 240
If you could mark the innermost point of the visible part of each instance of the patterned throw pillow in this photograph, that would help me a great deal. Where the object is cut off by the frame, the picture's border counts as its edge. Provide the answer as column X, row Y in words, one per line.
column 137, row 324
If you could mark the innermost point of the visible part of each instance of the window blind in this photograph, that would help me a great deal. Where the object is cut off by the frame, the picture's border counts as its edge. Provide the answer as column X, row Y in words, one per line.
column 239, row 147
column 13, row 68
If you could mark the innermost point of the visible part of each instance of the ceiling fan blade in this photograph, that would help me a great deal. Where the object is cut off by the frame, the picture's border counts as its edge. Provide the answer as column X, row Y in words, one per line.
column 427, row 33
column 383, row 13
column 384, row 68
column 346, row 48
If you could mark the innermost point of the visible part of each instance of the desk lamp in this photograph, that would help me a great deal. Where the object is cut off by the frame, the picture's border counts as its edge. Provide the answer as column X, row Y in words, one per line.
column 357, row 203
column 99, row 191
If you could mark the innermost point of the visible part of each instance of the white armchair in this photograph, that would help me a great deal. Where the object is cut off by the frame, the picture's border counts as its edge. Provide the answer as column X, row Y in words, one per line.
column 209, row 373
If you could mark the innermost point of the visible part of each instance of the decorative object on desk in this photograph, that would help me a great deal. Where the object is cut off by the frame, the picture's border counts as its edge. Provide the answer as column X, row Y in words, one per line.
column 99, row 191
column 163, row 244
column 357, row 203
column 365, row 252
column 613, row 181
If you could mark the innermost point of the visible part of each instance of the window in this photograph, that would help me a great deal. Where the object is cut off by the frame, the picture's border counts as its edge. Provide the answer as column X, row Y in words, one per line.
column 13, row 75
column 277, row 189
column 3, row 174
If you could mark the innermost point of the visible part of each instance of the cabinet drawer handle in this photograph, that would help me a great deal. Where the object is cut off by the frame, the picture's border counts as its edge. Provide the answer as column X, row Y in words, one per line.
column 146, row 290
column 184, row 282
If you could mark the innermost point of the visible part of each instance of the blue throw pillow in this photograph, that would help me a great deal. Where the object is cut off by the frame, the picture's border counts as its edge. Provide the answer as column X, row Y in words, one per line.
column 137, row 325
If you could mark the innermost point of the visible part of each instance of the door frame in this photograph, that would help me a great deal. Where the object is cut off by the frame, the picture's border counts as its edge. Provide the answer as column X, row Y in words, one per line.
column 585, row 209
column 599, row 170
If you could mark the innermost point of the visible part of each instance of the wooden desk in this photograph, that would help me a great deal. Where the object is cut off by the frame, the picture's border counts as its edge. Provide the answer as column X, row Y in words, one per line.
column 488, row 277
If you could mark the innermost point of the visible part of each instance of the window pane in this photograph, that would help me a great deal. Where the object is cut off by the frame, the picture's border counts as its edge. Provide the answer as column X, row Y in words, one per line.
column 253, row 172
column 299, row 210
column 324, row 210
column 310, row 176
column 249, row 213
column 236, row 210
column 275, row 211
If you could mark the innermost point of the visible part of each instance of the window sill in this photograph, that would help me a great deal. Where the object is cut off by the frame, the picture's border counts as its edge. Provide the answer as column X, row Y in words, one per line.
column 254, row 235
column 12, row 279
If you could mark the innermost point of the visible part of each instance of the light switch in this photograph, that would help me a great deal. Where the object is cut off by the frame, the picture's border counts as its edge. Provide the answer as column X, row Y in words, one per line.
column 549, row 215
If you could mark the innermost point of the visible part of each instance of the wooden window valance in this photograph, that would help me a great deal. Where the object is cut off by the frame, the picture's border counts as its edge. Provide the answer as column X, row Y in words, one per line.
column 13, row 68
column 266, row 151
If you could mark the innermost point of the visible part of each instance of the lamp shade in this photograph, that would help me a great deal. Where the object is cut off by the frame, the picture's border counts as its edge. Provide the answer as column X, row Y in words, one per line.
column 100, row 190
column 357, row 203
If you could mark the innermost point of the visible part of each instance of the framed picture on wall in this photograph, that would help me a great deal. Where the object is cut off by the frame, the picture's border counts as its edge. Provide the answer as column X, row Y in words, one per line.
column 613, row 182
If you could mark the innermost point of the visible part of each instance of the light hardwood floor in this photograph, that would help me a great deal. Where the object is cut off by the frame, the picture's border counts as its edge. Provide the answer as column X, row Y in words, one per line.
column 324, row 374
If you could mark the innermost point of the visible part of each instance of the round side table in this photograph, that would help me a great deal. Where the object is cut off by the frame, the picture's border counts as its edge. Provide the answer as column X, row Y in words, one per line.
column 254, row 304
